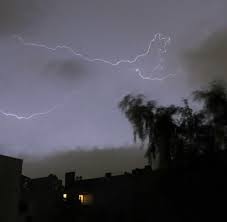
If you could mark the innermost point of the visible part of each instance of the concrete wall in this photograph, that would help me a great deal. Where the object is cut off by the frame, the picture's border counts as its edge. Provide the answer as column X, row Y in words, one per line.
column 10, row 173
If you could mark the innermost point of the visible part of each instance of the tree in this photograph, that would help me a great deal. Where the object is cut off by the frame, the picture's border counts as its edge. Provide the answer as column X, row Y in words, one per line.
column 214, row 100
column 190, row 129
column 177, row 133
column 151, row 124
column 141, row 115
column 165, row 130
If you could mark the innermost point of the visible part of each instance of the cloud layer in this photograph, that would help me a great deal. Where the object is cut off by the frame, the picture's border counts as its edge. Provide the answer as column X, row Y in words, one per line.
column 17, row 15
column 207, row 61
column 89, row 164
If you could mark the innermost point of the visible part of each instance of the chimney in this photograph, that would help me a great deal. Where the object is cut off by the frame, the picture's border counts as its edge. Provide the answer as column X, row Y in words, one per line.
column 108, row 175
column 136, row 172
column 69, row 179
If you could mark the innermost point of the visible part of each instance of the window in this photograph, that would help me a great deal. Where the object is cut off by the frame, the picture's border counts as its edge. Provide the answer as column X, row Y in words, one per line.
column 85, row 199
column 81, row 198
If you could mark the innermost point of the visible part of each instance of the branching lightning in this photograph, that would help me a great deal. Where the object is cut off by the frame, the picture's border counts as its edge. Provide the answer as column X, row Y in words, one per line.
column 146, row 52
column 32, row 116
column 139, row 72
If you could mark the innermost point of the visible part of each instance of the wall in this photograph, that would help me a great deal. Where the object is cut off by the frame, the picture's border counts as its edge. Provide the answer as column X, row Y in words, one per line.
column 10, row 173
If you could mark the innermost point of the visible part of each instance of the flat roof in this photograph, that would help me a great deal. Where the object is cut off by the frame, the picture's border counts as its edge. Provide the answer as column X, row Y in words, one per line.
column 10, row 157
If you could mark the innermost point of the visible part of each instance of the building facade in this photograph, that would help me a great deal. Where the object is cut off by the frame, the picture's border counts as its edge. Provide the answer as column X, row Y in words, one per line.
column 125, row 197
column 10, row 174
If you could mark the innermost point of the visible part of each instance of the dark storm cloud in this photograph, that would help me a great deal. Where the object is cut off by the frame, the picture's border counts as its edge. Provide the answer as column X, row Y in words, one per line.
column 110, row 30
column 68, row 70
column 16, row 15
column 208, row 62
column 90, row 163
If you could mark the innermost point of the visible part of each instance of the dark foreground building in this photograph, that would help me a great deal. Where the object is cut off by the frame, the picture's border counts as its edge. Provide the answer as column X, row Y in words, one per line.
column 126, row 197
column 197, row 192
column 41, row 199
column 10, row 174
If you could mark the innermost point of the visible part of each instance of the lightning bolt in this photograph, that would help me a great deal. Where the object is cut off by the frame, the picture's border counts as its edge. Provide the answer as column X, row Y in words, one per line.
column 75, row 53
column 28, row 117
column 139, row 72
column 146, row 52
column 19, row 117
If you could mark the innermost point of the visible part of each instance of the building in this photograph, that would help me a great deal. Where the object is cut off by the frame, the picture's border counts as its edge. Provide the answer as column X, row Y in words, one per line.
column 123, row 197
column 41, row 199
column 10, row 174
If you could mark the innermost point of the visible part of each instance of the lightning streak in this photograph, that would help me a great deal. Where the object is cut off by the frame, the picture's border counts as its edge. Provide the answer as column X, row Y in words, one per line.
column 28, row 117
column 19, row 117
column 139, row 72
column 158, row 36
column 145, row 53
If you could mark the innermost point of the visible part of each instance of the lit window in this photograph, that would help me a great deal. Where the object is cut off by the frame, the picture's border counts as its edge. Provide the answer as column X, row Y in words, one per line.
column 86, row 199
column 65, row 195
column 81, row 198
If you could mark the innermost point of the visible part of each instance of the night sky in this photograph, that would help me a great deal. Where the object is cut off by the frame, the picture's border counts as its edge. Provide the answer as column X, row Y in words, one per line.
column 78, row 99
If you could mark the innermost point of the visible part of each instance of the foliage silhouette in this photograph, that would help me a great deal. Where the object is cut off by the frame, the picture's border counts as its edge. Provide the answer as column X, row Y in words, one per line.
column 178, row 134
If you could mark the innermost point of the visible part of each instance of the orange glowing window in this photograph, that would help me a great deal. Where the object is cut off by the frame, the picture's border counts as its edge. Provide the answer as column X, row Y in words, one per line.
column 86, row 199
column 81, row 198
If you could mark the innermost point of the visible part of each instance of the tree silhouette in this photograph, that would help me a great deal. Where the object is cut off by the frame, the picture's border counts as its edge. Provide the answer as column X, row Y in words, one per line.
column 177, row 133
column 214, row 101
column 151, row 124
